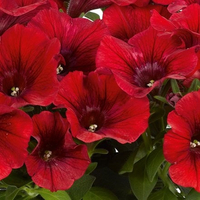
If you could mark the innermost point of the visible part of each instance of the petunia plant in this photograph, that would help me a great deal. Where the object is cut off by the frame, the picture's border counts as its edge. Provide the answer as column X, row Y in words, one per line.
column 99, row 105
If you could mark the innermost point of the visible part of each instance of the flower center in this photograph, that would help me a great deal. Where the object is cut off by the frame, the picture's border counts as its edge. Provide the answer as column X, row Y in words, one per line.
column 150, row 84
column 47, row 155
column 194, row 144
column 145, row 76
column 59, row 69
column 92, row 128
column 13, row 84
column 92, row 120
column 14, row 91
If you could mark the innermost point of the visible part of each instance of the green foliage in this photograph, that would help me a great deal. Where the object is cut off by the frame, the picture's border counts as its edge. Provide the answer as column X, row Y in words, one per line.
column 92, row 16
column 193, row 195
column 11, row 192
column 153, row 163
column 48, row 195
column 139, row 181
column 175, row 86
column 98, row 193
column 91, row 167
column 81, row 187
column 195, row 85
column 164, row 194
column 157, row 112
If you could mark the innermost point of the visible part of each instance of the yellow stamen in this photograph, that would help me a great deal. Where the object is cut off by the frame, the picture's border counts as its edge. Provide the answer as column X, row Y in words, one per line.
column 15, row 91
column 150, row 84
column 194, row 144
column 47, row 155
column 92, row 128
column 59, row 69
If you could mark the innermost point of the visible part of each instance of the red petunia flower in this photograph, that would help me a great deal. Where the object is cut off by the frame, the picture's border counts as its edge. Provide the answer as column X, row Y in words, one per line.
column 20, row 12
column 182, row 142
column 21, row 7
column 27, row 67
column 184, row 24
column 146, row 61
column 178, row 5
column 97, row 108
column 56, row 162
column 129, row 20
column 15, row 130
column 187, row 19
column 79, row 39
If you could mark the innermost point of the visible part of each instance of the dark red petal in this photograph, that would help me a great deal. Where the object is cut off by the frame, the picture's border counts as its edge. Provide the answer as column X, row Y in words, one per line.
column 174, row 120
column 20, row 7
column 153, row 46
column 176, row 147
column 188, row 107
column 53, row 23
column 84, row 44
column 160, row 23
column 50, row 122
column 186, row 173
column 15, row 129
column 116, row 54
column 124, row 2
column 182, row 63
column 163, row 2
column 178, row 5
column 189, row 18
column 140, row 3
column 129, row 20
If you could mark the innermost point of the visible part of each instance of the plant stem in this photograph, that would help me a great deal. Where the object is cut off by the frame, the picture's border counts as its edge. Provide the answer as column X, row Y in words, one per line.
column 146, row 136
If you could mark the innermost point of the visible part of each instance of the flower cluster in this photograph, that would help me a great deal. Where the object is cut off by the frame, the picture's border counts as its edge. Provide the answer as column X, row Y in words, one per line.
column 85, row 100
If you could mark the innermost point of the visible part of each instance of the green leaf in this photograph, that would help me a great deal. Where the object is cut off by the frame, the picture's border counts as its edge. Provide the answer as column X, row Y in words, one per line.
column 27, row 108
column 2, row 194
column 11, row 192
column 92, row 16
column 18, row 177
column 127, row 162
column 47, row 194
column 123, row 162
column 141, row 153
column 162, row 99
column 175, row 87
column 154, row 160
column 164, row 194
column 195, row 85
column 157, row 113
column 91, row 167
column 98, row 193
column 100, row 151
column 119, row 185
column 193, row 195
column 139, row 181
column 81, row 187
